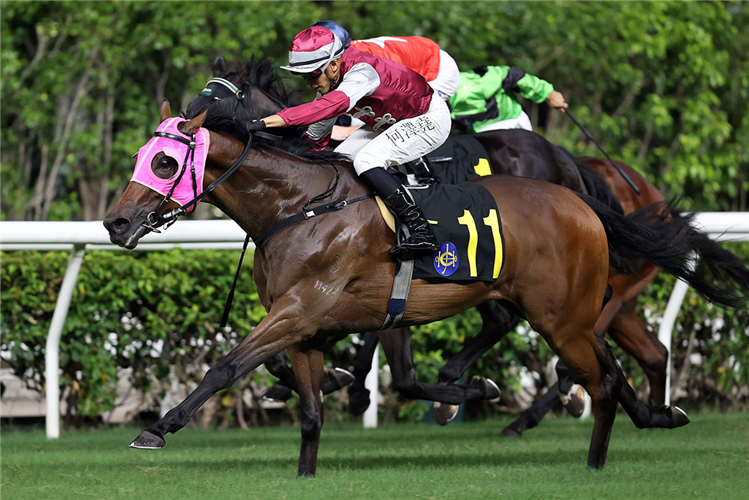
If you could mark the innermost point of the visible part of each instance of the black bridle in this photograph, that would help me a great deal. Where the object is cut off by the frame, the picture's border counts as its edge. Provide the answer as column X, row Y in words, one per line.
column 219, row 89
column 156, row 218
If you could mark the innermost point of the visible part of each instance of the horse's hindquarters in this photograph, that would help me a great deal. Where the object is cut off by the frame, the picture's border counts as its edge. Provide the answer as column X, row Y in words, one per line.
column 556, row 262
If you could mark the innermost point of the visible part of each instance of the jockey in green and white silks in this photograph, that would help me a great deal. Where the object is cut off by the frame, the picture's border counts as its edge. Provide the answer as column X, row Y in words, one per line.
column 486, row 99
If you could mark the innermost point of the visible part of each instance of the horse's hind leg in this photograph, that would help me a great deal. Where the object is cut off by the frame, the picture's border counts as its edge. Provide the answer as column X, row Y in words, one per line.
column 563, row 391
column 533, row 415
column 642, row 415
column 497, row 323
column 309, row 367
column 588, row 364
column 632, row 335
column 397, row 347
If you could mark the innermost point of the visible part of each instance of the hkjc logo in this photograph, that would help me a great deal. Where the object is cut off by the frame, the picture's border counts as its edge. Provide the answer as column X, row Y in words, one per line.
column 446, row 259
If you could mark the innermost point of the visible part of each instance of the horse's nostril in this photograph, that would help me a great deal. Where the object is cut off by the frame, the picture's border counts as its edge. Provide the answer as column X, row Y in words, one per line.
column 118, row 225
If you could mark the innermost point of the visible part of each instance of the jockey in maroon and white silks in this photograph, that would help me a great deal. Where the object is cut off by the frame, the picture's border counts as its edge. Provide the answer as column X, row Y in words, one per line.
column 377, row 91
column 402, row 119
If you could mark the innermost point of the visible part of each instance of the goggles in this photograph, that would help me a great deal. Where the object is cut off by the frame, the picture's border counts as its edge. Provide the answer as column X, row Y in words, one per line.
column 312, row 75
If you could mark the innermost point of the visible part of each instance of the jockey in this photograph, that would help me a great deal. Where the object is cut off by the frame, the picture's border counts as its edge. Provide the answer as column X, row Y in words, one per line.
column 420, row 54
column 402, row 120
column 486, row 98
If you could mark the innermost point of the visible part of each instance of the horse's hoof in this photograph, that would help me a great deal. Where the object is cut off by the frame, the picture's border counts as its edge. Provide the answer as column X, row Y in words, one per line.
column 444, row 413
column 678, row 417
column 148, row 441
column 358, row 402
column 509, row 432
column 574, row 401
column 277, row 394
column 342, row 377
column 489, row 388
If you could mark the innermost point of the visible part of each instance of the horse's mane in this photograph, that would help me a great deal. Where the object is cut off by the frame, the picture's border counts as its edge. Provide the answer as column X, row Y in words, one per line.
column 264, row 75
column 225, row 116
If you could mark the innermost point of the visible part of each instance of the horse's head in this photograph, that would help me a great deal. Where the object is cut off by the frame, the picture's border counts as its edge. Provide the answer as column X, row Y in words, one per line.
column 168, row 174
column 254, row 84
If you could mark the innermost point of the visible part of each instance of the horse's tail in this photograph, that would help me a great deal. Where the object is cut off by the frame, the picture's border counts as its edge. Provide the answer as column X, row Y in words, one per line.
column 597, row 187
column 661, row 234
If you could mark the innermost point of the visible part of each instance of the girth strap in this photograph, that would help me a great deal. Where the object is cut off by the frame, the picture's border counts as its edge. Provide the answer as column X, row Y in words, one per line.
column 399, row 296
column 303, row 216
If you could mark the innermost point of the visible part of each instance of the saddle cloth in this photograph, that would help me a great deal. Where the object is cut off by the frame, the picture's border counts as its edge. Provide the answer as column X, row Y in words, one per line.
column 465, row 219
column 460, row 159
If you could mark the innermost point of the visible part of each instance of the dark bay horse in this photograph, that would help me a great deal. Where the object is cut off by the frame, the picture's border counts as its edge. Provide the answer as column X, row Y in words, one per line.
column 512, row 152
column 558, row 250
column 519, row 153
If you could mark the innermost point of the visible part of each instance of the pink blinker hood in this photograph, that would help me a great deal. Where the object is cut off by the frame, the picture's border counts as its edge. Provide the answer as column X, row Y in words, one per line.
column 183, row 192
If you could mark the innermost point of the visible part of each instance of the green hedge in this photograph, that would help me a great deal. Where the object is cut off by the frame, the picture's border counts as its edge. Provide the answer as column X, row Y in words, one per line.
column 154, row 310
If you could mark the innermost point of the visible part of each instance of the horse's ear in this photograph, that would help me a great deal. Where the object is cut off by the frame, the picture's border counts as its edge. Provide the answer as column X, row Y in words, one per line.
column 219, row 66
column 192, row 126
column 166, row 110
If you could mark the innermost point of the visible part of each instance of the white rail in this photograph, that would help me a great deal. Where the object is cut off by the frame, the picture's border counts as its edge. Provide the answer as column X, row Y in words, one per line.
column 80, row 236
column 222, row 234
column 722, row 226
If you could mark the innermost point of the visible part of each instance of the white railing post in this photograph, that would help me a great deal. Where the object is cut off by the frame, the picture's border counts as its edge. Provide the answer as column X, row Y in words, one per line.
column 372, row 384
column 665, row 332
column 51, row 353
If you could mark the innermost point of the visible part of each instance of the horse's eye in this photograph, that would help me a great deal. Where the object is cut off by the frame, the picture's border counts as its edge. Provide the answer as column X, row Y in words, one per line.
column 164, row 166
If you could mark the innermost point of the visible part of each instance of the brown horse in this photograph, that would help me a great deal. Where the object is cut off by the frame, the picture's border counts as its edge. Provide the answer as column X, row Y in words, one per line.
column 518, row 153
column 555, row 273
column 511, row 152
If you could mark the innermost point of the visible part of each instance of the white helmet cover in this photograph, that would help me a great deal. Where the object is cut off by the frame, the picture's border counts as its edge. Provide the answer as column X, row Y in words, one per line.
column 313, row 48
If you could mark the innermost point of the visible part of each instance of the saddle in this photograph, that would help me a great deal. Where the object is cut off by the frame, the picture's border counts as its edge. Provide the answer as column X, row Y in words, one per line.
column 460, row 159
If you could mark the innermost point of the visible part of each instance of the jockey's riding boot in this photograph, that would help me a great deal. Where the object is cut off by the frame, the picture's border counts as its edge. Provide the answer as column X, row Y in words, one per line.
column 397, row 198
column 421, row 238
column 421, row 171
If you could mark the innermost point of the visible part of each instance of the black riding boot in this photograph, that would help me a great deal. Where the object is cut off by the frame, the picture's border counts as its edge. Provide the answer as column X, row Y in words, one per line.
column 421, row 171
column 396, row 197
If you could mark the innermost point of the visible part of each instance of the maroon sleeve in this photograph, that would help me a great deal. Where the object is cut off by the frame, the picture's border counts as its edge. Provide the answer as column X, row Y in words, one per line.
column 332, row 104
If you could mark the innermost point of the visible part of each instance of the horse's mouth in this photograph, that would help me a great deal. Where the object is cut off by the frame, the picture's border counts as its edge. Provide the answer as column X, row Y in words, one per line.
column 132, row 241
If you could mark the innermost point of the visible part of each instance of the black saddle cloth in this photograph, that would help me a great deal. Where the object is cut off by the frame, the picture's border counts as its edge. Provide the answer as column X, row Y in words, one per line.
column 466, row 222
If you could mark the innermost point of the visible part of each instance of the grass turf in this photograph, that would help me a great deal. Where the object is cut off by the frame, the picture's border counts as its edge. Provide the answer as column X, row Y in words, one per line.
column 708, row 458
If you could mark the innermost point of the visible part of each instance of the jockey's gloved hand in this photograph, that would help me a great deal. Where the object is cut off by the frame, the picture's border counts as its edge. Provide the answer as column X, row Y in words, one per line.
column 255, row 126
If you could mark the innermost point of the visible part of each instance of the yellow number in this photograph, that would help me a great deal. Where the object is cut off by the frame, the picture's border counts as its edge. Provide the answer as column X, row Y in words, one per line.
column 483, row 167
column 473, row 240
column 493, row 222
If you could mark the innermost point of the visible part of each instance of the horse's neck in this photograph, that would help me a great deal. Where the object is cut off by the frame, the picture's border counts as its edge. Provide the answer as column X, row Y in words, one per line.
column 262, row 100
column 271, row 185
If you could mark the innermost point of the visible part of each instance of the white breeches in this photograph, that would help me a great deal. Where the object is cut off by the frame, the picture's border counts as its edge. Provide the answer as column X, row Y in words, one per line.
column 404, row 141
column 521, row 121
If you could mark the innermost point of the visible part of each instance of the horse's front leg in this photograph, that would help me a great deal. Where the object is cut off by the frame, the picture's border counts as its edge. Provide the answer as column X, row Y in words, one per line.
column 309, row 367
column 358, row 394
column 288, row 322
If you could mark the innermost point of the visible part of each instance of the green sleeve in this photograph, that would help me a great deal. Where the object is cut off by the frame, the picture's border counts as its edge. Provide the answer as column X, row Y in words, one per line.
column 490, row 84
column 535, row 89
